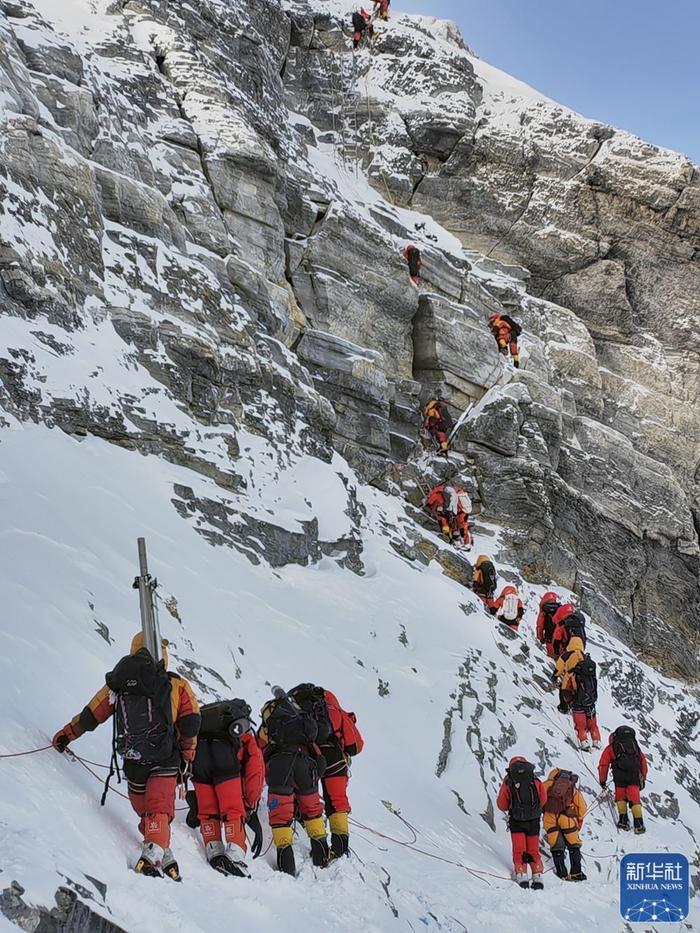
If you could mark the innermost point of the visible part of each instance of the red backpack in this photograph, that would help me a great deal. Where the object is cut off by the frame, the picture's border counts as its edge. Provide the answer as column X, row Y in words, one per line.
column 560, row 796
column 347, row 733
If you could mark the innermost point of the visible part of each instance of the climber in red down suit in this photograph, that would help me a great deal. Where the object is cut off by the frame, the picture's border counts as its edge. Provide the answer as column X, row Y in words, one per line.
column 522, row 796
column 413, row 257
column 506, row 331
column 381, row 9
column 451, row 506
column 362, row 25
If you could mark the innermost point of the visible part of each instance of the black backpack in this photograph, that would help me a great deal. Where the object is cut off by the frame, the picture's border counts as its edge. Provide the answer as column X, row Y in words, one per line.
column 524, row 800
column 488, row 574
column 312, row 700
column 627, row 763
column 287, row 724
column 549, row 609
column 413, row 257
column 586, row 683
column 143, row 719
column 575, row 625
column 445, row 414
column 516, row 329
column 226, row 720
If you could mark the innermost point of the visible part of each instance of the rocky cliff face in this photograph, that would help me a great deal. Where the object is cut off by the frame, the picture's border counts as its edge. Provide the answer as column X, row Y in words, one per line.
column 228, row 189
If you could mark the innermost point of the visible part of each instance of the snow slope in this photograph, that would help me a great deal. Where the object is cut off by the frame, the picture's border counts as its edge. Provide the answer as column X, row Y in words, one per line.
column 410, row 651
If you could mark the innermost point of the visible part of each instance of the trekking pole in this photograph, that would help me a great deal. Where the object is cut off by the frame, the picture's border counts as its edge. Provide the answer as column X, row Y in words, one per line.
column 146, row 586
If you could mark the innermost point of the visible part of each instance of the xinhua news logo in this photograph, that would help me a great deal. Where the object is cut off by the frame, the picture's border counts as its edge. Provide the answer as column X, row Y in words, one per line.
column 654, row 887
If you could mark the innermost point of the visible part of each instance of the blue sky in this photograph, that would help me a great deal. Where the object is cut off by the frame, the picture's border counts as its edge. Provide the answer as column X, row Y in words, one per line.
column 631, row 63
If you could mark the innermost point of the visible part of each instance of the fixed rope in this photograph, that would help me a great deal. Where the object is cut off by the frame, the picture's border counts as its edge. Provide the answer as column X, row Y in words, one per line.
column 84, row 762
column 479, row 873
column 407, row 844
column 32, row 751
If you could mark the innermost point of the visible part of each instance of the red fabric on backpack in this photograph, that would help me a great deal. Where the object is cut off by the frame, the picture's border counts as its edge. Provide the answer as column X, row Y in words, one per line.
column 436, row 497
column 253, row 770
column 344, row 724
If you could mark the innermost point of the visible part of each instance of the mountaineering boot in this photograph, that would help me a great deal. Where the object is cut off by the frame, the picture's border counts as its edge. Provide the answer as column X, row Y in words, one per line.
column 213, row 849
column 316, row 831
column 282, row 836
column 235, row 861
column 522, row 879
column 560, row 864
column 229, row 860
column 537, row 882
column 340, row 838
column 170, row 866
column 340, row 845
column 584, row 745
column 285, row 860
column 150, row 861
column 623, row 821
column 227, row 866
column 576, row 874
column 597, row 743
column 320, row 853
column 639, row 826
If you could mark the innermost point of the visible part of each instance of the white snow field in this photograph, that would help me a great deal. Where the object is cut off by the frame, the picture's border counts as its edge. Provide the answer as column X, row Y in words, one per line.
column 72, row 510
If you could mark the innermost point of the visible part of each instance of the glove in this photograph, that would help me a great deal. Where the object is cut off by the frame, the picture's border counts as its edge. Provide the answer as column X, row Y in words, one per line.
column 555, row 676
column 61, row 740
column 192, row 819
column 253, row 822
column 603, row 784
column 188, row 756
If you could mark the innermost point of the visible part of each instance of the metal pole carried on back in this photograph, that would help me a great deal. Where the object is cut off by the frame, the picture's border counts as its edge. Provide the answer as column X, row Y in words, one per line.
column 146, row 586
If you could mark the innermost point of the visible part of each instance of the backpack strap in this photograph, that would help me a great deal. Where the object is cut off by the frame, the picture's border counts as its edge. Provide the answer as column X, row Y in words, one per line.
column 114, row 762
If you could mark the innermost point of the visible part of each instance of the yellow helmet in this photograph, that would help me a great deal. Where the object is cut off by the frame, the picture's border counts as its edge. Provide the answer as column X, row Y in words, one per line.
column 137, row 644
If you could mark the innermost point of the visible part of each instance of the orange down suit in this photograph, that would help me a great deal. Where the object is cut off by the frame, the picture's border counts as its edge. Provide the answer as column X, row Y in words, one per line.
column 438, row 501
column 497, row 605
column 505, row 337
column 151, row 787
column 563, row 830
